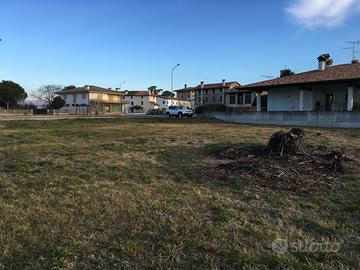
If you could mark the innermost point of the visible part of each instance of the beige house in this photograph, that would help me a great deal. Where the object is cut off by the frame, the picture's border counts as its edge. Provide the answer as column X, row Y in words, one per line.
column 92, row 100
column 214, row 93
column 187, row 93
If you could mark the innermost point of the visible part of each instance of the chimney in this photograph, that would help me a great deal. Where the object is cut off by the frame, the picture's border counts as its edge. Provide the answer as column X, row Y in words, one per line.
column 185, row 86
column 324, row 61
column 117, row 89
column 126, row 92
column 223, row 83
column 87, row 87
column 286, row 72
column 202, row 85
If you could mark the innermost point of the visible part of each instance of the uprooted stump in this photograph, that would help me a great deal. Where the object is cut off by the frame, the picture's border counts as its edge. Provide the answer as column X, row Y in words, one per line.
column 288, row 143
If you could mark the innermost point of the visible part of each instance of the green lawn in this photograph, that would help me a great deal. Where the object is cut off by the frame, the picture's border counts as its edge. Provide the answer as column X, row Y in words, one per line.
column 134, row 193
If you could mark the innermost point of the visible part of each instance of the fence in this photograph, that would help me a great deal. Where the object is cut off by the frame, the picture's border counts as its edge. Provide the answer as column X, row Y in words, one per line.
column 15, row 112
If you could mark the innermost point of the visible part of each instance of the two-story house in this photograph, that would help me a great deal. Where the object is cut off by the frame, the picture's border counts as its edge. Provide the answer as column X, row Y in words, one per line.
column 92, row 100
column 140, row 101
column 187, row 93
column 214, row 93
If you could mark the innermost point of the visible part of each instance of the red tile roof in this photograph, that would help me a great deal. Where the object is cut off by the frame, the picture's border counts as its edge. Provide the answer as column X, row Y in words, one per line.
column 137, row 93
column 338, row 73
column 186, row 89
column 218, row 85
column 89, row 89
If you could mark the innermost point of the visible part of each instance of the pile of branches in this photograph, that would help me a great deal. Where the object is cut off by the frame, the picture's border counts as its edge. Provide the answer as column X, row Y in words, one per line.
column 287, row 162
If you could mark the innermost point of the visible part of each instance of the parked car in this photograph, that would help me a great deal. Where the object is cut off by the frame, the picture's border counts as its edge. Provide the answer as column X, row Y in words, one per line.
column 179, row 111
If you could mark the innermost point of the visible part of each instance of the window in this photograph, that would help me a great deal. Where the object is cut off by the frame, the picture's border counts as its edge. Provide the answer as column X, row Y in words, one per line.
column 206, row 92
column 163, row 102
column 213, row 91
column 132, row 103
column 74, row 98
column 240, row 98
column 232, row 99
column 67, row 105
column 214, row 99
column 142, row 97
column 221, row 100
column 248, row 98
column 142, row 102
column 64, row 96
column 206, row 99
column 199, row 100
column 131, row 97
column 123, row 97
column 84, row 96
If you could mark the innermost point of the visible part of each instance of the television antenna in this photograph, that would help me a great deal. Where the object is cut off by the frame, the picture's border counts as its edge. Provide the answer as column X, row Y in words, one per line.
column 353, row 47
column 268, row 76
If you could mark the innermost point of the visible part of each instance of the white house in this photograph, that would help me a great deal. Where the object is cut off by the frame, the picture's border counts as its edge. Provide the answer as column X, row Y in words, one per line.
column 165, row 102
column 140, row 101
column 328, row 88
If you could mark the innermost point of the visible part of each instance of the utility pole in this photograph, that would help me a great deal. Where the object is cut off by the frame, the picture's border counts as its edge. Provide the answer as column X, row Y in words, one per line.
column 172, row 77
column 353, row 48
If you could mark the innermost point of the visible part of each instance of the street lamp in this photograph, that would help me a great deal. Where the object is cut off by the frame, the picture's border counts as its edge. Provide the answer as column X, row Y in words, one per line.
column 172, row 77
column 122, row 84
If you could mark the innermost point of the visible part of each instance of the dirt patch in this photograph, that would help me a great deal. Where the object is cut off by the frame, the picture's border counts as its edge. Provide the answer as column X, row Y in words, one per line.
column 286, row 163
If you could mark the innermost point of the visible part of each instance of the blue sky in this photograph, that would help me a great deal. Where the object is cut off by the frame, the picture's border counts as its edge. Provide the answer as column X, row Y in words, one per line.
column 138, row 41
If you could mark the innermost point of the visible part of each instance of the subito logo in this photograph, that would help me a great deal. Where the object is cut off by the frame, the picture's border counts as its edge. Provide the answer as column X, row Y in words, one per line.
column 280, row 246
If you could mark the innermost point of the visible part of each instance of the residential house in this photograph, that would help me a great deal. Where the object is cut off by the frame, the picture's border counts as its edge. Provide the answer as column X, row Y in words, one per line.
column 187, row 93
column 328, row 88
column 92, row 100
column 166, row 101
column 214, row 93
column 140, row 101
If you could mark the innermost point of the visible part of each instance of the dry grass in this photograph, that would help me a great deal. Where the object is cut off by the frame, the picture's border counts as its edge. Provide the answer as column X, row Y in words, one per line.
column 83, row 194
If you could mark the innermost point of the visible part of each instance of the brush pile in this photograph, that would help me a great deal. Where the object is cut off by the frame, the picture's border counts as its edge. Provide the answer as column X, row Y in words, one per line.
column 287, row 162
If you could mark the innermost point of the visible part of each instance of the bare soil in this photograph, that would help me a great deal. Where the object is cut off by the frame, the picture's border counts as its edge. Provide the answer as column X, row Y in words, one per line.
column 298, row 172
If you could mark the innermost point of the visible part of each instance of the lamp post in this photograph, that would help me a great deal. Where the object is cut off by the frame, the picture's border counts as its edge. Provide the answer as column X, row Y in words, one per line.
column 122, row 84
column 172, row 77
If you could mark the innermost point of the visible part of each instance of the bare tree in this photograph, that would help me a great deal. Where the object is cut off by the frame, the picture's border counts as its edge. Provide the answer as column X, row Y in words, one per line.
column 47, row 93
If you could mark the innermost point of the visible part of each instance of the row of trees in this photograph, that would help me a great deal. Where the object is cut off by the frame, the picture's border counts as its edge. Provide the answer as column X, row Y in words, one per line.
column 12, row 93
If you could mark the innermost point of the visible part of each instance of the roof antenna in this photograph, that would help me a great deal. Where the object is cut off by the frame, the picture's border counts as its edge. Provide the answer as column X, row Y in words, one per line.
column 354, row 52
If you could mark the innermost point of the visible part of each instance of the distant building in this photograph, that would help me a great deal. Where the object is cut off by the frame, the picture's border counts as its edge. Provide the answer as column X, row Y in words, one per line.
column 92, row 100
column 214, row 93
column 140, row 101
column 187, row 93
column 165, row 101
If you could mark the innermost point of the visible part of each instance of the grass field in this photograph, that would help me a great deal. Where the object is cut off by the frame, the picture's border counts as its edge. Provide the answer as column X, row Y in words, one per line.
column 105, row 194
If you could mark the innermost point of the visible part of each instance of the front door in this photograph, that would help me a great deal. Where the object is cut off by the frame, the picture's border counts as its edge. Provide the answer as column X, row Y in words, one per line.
column 329, row 102
column 107, row 109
